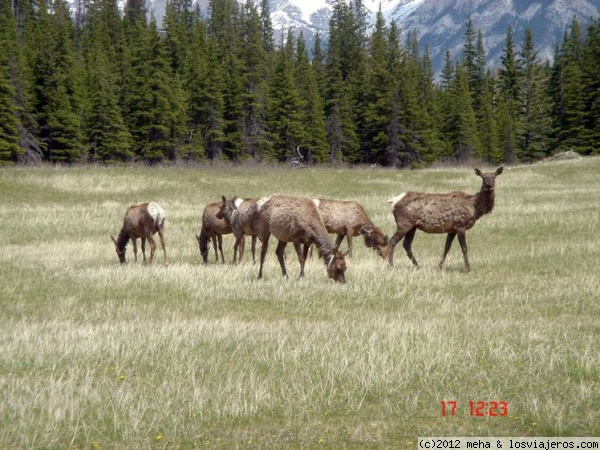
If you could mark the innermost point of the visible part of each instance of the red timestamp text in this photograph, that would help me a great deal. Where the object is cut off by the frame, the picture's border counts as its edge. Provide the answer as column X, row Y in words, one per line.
column 476, row 408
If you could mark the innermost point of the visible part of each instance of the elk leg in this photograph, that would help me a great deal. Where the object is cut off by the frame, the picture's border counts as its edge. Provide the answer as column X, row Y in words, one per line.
column 349, row 234
column 407, row 244
column 242, row 247
column 397, row 237
column 152, row 249
column 301, row 257
column 449, row 240
column 263, row 251
column 162, row 243
column 280, row 252
column 220, row 242
column 214, row 244
column 236, row 245
column 339, row 239
column 134, row 243
column 462, row 239
column 253, row 249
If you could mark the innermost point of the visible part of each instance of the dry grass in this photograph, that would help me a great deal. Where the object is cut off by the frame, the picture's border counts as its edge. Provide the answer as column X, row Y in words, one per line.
column 98, row 355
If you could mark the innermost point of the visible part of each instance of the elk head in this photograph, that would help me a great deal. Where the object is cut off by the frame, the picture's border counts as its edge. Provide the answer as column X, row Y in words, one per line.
column 120, row 250
column 489, row 178
column 336, row 266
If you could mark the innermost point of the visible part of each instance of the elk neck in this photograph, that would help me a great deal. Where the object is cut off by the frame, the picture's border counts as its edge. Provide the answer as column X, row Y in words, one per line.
column 484, row 201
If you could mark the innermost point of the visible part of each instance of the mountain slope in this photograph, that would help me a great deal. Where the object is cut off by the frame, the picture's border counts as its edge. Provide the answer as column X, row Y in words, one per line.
column 440, row 24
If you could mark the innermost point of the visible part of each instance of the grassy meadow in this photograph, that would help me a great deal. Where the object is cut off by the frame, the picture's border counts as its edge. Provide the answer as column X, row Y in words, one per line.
column 95, row 355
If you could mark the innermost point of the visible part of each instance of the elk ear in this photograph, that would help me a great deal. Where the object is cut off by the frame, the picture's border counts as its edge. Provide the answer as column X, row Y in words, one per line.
column 223, row 198
column 478, row 172
column 499, row 170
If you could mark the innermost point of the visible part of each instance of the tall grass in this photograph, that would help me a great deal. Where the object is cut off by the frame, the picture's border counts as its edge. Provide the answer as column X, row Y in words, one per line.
column 99, row 355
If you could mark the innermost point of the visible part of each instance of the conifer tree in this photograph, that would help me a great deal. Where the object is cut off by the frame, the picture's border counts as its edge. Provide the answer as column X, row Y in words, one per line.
column 103, row 43
column 160, row 113
column 591, row 82
column 341, row 62
column 464, row 134
column 9, row 122
column 567, row 81
column 376, row 103
column 313, row 113
column 287, row 109
column 57, row 91
column 254, row 75
column 533, row 143
column 510, row 82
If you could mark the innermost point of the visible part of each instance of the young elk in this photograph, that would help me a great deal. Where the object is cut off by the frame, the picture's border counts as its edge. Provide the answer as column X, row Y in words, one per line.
column 348, row 219
column 240, row 215
column 296, row 220
column 141, row 221
column 453, row 213
column 213, row 229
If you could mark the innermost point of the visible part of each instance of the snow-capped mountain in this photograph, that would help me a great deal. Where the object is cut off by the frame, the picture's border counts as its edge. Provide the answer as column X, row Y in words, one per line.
column 440, row 24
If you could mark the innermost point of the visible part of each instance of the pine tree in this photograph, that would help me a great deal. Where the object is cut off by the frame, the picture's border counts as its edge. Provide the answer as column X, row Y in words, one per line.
column 160, row 114
column 56, row 87
column 510, row 82
column 343, row 59
column 591, row 83
column 464, row 134
column 570, row 98
column 535, row 125
column 255, row 85
column 376, row 103
column 9, row 121
column 103, row 42
column 313, row 112
column 286, row 122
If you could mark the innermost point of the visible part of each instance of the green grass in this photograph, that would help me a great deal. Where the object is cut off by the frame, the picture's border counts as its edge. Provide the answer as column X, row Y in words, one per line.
column 99, row 355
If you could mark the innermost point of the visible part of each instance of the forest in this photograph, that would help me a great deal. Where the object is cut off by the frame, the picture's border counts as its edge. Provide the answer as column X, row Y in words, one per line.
column 104, row 85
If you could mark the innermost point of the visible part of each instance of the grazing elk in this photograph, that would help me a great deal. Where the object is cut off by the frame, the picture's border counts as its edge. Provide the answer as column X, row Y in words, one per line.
column 348, row 219
column 452, row 213
column 141, row 221
column 213, row 229
column 240, row 215
column 296, row 220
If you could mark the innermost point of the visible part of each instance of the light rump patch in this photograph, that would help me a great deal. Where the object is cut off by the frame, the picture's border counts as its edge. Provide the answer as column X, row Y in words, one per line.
column 156, row 212
column 261, row 202
column 396, row 199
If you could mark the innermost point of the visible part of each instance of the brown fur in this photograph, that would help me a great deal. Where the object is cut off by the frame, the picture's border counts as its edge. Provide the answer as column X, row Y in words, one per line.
column 241, row 220
column 453, row 213
column 348, row 219
column 296, row 220
column 138, row 223
column 213, row 229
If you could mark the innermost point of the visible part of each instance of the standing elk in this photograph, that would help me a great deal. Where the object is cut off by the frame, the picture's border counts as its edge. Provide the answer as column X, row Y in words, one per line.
column 141, row 221
column 453, row 213
column 240, row 215
column 348, row 219
column 213, row 228
column 296, row 220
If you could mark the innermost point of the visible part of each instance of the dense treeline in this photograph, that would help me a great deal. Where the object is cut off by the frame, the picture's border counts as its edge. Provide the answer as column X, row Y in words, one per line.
column 103, row 85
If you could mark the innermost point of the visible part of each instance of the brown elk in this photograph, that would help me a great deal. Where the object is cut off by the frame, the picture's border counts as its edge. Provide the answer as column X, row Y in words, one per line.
column 240, row 215
column 348, row 219
column 453, row 213
column 296, row 220
column 141, row 221
column 213, row 228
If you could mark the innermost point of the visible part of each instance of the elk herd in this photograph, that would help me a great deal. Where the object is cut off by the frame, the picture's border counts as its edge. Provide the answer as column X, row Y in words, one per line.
column 306, row 222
